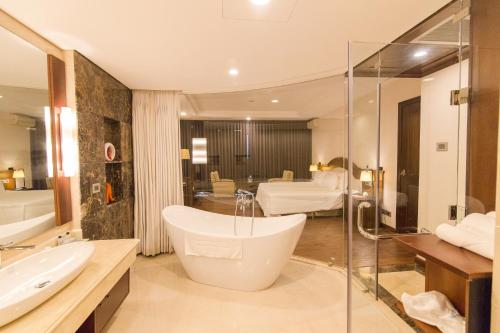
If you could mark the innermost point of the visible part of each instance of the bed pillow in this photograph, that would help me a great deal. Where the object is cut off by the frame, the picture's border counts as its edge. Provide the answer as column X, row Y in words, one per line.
column 318, row 177
column 342, row 180
column 330, row 180
column 341, row 174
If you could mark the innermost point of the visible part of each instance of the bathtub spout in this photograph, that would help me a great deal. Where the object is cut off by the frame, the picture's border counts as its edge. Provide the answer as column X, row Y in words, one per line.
column 242, row 201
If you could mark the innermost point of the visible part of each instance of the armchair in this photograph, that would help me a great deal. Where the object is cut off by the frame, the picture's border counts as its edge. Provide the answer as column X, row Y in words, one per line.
column 287, row 177
column 222, row 187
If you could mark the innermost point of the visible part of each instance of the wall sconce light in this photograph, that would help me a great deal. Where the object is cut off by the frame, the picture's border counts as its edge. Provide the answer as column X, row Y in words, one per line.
column 313, row 168
column 48, row 142
column 199, row 150
column 68, row 142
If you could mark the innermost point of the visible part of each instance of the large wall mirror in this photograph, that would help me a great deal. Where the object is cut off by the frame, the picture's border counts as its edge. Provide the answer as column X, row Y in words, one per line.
column 26, row 156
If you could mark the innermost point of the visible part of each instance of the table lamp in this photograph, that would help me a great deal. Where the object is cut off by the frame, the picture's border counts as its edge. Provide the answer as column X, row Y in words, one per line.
column 19, row 176
column 367, row 177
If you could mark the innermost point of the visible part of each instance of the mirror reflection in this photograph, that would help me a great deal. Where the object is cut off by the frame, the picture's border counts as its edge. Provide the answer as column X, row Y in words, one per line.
column 26, row 191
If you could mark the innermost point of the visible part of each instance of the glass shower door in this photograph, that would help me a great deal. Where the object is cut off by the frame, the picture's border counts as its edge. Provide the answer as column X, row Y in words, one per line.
column 406, row 153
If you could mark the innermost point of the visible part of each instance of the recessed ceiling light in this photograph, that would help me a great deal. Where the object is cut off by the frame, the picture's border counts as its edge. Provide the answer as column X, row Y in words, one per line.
column 184, row 114
column 427, row 79
column 420, row 54
column 275, row 100
column 1, row 96
column 248, row 118
column 260, row 2
column 233, row 72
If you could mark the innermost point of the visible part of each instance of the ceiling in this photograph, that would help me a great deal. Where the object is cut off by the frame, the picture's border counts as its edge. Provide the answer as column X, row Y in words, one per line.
column 190, row 45
column 26, row 101
column 321, row 98
column 23, row 78
column 21, row 64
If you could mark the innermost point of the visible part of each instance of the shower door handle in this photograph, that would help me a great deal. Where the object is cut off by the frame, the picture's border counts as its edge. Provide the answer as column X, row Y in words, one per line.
column 369, row 235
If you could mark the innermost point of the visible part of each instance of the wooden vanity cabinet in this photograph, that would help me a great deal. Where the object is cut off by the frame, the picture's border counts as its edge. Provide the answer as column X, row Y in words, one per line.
column 107, row 307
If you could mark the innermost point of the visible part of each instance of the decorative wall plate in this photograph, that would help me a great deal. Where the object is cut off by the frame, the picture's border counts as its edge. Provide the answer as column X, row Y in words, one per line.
column 109, row 151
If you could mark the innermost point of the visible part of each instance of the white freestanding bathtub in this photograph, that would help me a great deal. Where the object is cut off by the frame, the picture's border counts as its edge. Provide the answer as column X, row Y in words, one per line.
column 211, row 253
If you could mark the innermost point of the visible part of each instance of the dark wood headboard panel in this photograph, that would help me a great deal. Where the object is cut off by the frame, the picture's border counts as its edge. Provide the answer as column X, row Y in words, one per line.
column 342, row 162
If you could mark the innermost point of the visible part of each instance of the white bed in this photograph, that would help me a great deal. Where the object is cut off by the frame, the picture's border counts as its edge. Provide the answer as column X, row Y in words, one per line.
column 324, row 192
column 16, row 206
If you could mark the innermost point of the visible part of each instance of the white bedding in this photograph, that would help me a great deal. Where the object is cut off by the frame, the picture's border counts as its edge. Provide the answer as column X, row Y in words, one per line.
column 18, row 206
column 297, row 197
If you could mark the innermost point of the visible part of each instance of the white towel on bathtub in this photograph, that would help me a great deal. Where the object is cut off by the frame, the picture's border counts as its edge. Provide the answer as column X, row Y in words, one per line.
column 213, row 247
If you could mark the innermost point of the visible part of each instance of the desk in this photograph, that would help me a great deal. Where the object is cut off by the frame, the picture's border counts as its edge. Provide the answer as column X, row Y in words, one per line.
column 463, row 276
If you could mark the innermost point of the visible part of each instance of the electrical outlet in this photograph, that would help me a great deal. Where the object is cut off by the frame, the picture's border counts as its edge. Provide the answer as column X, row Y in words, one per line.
column 96, row 188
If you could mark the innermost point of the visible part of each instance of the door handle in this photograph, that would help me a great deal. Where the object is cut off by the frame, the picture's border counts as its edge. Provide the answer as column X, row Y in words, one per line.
column 403, row 173
column 369, row 235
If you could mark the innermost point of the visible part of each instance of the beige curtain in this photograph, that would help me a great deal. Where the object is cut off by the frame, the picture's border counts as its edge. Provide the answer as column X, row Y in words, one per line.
column 157, row 165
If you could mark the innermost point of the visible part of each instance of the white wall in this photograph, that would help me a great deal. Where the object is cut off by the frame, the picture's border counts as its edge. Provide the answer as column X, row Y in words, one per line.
column 327, row 140
column 393, row 91
column 440, row 185
column 15, row 149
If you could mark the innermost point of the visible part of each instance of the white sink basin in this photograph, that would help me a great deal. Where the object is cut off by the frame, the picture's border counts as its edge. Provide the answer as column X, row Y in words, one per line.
column 29, row 282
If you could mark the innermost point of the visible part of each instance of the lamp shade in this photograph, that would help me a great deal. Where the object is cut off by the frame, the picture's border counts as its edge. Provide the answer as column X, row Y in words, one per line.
column 18, row 174
column 366, row 176
column 185, row 154
column 313, row 167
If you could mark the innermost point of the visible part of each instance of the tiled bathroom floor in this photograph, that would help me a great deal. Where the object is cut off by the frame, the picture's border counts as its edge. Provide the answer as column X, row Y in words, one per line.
column 398, row 283
column 306, row 298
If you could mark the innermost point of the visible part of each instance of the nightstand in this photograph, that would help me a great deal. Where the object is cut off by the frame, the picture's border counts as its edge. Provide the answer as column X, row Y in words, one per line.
column 368, row 213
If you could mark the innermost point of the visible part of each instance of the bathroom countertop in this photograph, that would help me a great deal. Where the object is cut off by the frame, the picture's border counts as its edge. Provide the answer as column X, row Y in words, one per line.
column 68, row 309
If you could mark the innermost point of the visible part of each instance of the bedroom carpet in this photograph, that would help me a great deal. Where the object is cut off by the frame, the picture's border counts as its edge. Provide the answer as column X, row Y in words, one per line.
column 323, row 238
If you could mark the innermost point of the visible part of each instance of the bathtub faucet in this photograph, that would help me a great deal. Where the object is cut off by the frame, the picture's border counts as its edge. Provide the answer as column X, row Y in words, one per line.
column 241, row 202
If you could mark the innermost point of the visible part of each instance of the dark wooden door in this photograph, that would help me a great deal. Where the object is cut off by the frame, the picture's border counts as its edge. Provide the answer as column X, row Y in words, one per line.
column 408, row 165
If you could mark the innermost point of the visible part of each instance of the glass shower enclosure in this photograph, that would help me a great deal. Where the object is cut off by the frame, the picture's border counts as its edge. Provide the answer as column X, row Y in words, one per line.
column 407, row 145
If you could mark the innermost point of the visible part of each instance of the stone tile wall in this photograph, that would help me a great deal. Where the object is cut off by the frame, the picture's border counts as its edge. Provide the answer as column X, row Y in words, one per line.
column 100, row 96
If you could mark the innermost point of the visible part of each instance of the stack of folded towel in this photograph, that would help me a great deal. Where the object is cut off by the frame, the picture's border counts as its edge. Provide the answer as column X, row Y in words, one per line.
column 475, row 233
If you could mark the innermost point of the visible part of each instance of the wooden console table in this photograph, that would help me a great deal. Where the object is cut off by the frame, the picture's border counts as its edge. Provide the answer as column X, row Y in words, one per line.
column 463, row 276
